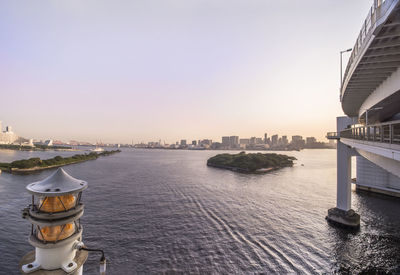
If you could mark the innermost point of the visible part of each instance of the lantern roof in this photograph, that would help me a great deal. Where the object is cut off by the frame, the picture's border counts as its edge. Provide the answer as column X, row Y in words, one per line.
column 57, row 184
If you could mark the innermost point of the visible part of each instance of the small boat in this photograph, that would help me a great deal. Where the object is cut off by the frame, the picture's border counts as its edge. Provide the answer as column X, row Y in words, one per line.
column 97, row 149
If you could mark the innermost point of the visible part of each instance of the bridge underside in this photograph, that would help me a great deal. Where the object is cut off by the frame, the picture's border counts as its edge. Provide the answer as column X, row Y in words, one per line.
column 379, row 61
column 388, row 109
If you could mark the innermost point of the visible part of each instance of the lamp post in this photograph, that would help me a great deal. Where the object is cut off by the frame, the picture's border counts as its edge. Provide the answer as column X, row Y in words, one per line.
column 56, row 231
column 341, row 68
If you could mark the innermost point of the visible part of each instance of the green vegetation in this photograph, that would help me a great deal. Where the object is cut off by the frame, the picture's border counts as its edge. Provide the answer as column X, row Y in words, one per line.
column 250, row 163
column 34, row 164
column 32, row 148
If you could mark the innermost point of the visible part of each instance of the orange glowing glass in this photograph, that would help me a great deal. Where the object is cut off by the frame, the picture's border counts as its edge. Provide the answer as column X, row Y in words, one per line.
column 57, row 204
column 56, row 233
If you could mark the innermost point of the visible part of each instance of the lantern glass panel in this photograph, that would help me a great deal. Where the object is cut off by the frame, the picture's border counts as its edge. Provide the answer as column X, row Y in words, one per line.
column 55, row 233
column 56, row 204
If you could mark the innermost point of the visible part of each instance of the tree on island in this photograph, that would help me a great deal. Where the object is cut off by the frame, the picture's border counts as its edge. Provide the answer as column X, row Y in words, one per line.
column 249, row 163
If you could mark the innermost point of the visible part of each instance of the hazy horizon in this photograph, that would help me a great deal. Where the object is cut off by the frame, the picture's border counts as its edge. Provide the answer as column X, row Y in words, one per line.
column 118, row 71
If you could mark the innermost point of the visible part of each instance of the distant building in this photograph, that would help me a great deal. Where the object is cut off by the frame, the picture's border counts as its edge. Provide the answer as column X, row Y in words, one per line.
column 265, row 138
column 49, row 142
column 310, row 140
column 8, row 136
column 296, row 138
column 183, row 142
column 234, row 141
column 252, row 140
column 205, row 142
column 194, row 143
column 244, row 141
column 298, row 141
column 274, row 140
column 259, row 141
column 285, row 140
column 216, row 145
column 225, row 141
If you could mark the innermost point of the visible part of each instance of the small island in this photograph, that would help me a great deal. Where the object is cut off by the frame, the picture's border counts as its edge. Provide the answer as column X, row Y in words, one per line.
column 251, row 163
column 26, row 166
column 37, row 147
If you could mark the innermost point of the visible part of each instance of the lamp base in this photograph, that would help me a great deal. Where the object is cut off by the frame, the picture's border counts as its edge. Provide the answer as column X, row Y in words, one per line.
column 29, row 259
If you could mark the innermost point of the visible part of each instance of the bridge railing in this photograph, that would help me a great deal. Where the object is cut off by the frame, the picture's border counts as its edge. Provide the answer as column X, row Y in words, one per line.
column 332, row 135
column 374, row 14
column 388, row 132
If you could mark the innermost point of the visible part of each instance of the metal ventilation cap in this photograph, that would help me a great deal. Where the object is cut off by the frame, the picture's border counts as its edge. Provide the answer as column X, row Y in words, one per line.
column 59, row 183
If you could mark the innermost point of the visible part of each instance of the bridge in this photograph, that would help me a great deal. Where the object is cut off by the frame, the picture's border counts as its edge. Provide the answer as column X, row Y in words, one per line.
column 370, row 98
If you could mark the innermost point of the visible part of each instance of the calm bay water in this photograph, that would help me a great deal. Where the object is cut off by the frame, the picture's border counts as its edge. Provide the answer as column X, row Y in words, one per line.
column 161, row 211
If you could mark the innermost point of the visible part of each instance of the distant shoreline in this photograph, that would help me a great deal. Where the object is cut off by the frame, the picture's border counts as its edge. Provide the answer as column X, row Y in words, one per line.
column 233, row 149
column 27, row 166
column 35, row 148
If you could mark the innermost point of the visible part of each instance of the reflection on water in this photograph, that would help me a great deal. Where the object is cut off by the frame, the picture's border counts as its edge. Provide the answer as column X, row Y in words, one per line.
column 166, row 211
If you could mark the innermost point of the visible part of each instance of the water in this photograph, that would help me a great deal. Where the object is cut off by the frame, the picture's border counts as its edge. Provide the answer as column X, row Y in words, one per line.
column 164, row 211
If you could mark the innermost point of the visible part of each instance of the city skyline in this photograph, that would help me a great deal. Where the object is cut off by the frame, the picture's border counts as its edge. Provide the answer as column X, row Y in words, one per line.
column 186, row 69
column 265, row 138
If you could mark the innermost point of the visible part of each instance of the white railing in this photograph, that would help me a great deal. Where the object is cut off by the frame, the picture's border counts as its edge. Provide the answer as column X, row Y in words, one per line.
column 387, row 132
column 376, row 12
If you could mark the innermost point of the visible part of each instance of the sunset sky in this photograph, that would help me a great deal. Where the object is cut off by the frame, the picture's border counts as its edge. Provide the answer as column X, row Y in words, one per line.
column 118, row 71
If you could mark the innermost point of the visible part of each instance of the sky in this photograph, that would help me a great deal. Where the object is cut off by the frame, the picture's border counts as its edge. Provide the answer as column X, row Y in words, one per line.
column 127, row 71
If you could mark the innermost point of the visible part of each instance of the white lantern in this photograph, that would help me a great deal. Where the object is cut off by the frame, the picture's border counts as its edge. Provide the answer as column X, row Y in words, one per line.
column 56, row 230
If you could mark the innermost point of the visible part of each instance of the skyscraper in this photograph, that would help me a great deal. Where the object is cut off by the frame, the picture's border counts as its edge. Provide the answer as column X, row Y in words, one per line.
column 234, row 141
column 284, row 140
column 225, row 141
column 274, row 140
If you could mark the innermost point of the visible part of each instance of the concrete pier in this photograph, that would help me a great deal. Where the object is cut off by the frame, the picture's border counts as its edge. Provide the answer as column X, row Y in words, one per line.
column 342, row 214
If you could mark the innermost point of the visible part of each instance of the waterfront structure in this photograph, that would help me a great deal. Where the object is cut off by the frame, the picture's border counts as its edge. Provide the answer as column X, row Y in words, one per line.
column 8, row 136
column 370, row 97
column 183, row 142
column 48, row 142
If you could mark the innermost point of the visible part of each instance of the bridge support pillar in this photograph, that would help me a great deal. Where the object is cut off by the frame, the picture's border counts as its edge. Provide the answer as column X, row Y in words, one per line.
column 342, row 214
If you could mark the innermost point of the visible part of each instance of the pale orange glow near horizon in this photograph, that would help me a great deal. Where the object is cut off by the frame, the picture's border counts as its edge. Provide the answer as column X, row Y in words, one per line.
column 123, row 71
